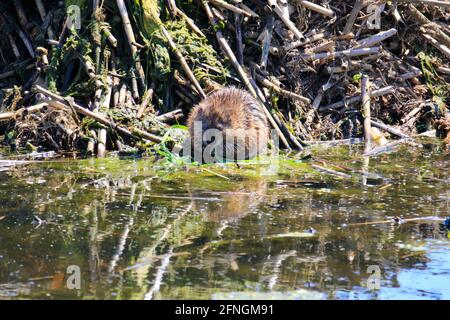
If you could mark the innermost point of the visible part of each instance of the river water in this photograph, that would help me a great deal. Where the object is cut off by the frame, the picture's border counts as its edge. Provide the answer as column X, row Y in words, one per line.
column 279, row 229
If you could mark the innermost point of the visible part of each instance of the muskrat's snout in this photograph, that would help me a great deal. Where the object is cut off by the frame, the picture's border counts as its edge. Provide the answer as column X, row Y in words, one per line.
column 229, row 124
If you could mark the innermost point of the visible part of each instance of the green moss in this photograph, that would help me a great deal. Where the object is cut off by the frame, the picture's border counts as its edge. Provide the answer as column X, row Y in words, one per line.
column 83, row 4
column 437, row 86
column 197, row 51
column 195, row 48
column 151, row 21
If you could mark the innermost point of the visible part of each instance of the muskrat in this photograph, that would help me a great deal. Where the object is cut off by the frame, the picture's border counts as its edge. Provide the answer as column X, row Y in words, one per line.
column 229, row 124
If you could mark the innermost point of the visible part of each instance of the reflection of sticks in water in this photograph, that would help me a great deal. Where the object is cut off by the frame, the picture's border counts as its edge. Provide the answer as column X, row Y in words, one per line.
column 150, row 252
column 123, row 237
column 182, row 198
column 391, row 146
column 121, row 245
column 365, row 97
column 430, row 218
column 389, row 129
column 7, row 164
column 277, row 265
column 216, row 174
column 179, row 197
column 159, row 275
column 365, row 170
column 147, row 256
column 223, row 225
column 334, row 142
column 421, row 252
column 94, row 259
column 133, row 192
column 331, row 172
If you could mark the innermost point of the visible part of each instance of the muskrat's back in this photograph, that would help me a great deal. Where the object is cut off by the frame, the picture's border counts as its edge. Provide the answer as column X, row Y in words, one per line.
column 228, row 124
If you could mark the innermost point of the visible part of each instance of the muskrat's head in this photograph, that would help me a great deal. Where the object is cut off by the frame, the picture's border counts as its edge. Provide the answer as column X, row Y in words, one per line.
column 228, row 124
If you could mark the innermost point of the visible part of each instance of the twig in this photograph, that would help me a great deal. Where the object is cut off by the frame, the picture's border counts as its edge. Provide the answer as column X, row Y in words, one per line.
column 351, row 65
column 102, row 134
column 431, row 27
column 375, row 39
column 50, row 140
column 442, row 48
column 62, row 35
column 27, row 43
column 134, row 85
column 175, row 114
column 11, row 115
column 444, row 4
column 13, row 46
column 289, row 24
column 43, row 14
column 216, row 174
column 21, row 14
column 337, row 54
column 387, row 128
column 148, row 96
column 325, row 46
column 411, row 114
column 97, row 117
column 115, row 80
column 239, row 45
column 300, row 43
column 291, row 137
column 101, row 146
column 11, row 73
column 318, row 98
column 409, row 75
column 230, row 7
column 183, row 63
column 443, row 70
column 284, row 6
column 357, row 7
column 190, row 22
column 244, row 7
column 111, row 38
column 365, row 96
column 354, row 99
column 285, row 93
column 317, row 8
column 267, row 39
column 130, row 36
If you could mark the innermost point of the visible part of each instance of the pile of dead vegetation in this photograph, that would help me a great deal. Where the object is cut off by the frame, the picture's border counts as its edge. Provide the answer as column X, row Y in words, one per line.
column 105, row 75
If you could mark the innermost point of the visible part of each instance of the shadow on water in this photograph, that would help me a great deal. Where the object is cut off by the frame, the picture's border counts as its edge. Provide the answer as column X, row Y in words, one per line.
column 283, row 229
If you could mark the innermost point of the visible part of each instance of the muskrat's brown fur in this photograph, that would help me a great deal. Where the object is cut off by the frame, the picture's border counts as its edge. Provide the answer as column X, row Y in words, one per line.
column 240, row 122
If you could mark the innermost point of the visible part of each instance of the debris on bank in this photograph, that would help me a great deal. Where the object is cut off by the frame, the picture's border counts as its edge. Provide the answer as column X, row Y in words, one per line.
column 99, row 76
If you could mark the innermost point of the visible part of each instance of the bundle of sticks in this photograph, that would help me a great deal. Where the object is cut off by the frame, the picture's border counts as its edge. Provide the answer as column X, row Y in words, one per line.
column 103, row 75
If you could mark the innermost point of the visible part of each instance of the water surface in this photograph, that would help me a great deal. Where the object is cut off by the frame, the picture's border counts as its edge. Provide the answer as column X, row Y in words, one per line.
column 280, row 229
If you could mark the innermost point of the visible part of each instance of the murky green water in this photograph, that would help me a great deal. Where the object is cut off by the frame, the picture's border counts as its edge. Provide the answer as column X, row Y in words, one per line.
column 273, row 230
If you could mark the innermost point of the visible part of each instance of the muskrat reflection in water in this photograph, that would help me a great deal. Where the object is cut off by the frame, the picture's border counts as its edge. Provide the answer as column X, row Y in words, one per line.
column 227, row 125
column 235, row 203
